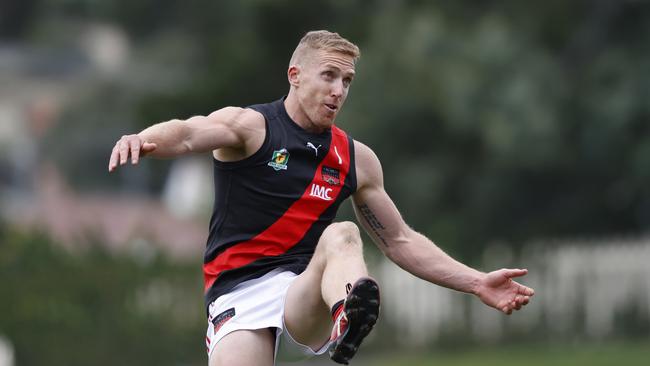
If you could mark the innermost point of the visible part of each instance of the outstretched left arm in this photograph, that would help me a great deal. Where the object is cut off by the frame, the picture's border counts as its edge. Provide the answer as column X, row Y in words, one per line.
column 417, row 254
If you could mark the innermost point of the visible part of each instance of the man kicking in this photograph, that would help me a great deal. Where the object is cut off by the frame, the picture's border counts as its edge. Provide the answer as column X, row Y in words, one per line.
column 281, row 279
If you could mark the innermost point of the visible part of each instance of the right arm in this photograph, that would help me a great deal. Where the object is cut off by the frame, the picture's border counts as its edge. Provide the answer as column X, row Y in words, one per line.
column 237, row 129
column 416, row 253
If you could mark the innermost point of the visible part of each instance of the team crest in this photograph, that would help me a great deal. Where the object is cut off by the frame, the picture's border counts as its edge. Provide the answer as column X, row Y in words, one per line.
column 279, row 159
column 330, row 175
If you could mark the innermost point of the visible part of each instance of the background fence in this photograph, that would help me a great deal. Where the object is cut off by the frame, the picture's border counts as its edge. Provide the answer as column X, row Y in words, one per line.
column 585, row 290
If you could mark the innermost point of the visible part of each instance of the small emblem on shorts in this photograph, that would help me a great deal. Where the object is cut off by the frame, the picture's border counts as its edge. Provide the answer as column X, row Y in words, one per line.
column 330, row 175
column 279, row 159
column 221, row 319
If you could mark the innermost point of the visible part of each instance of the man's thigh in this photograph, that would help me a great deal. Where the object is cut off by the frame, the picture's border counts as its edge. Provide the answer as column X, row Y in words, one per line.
column 245, row 348
column 307, row 318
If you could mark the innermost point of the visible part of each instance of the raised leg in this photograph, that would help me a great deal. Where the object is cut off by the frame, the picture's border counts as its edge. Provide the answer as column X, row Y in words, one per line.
column 337, row 264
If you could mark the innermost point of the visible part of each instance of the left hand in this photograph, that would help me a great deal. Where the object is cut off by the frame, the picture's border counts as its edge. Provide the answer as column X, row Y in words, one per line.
column 498, row 290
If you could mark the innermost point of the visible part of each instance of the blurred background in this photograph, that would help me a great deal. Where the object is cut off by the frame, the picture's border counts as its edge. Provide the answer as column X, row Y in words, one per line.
column 512, row 133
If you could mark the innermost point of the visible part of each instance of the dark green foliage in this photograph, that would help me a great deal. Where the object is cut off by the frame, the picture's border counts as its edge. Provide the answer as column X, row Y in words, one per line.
column 92, row 307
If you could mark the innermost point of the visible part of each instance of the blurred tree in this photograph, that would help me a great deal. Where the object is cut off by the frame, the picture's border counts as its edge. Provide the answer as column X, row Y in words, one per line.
column 494, row 123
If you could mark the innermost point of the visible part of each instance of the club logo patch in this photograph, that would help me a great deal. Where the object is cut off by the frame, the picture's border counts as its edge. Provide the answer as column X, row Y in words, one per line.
column 279, row 159
column 221, row 319
column 330, row 175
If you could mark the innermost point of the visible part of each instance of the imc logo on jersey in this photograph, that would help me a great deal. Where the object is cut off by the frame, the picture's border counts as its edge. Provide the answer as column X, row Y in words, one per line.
column 330, row 175
column 279, row 159
column 321, row 192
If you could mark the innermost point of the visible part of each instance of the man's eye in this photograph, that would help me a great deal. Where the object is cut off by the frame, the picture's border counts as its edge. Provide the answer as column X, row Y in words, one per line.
column 328, row 74
column 347, row 81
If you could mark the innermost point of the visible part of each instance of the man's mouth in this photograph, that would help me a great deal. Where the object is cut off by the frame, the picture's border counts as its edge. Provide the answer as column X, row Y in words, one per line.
column 331, row 107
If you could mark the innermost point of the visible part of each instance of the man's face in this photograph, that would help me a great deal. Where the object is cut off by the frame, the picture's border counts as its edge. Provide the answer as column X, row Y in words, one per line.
column 324, row 82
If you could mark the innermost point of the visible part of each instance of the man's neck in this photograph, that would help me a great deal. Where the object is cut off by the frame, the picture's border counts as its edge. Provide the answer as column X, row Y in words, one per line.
column 298, row 116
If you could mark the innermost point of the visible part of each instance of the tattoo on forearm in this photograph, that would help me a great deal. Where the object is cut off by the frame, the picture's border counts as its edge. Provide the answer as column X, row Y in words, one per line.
column 373, row 222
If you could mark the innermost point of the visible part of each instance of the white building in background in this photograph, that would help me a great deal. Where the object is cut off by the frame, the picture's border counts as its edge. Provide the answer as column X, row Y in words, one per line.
column 582, row 290
column 6, row 352
column 188, row 191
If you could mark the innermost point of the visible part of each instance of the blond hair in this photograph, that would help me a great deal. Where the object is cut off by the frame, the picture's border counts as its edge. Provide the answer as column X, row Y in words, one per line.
column 323, row 40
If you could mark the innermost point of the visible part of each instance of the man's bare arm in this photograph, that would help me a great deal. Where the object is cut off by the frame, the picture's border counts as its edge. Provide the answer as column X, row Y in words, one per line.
column 228, row 128
column 419, row 255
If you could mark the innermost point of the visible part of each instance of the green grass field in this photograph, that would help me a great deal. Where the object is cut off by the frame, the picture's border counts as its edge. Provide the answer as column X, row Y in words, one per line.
column 614, row 354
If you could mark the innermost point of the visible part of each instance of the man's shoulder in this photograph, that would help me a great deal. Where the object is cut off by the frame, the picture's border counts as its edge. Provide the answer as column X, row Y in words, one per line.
column 235, row 117
column 247, row 127
column 363, row 150
column 368, row 166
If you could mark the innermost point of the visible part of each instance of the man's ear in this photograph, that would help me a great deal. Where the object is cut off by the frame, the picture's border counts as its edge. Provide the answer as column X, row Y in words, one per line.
column 293, row 74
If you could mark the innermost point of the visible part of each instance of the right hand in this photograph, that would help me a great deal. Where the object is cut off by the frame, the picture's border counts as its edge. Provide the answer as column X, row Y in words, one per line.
column 132, row 145
column 498, row 290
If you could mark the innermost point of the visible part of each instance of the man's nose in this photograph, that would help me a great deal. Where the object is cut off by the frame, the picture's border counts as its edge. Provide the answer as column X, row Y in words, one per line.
column 337, row 88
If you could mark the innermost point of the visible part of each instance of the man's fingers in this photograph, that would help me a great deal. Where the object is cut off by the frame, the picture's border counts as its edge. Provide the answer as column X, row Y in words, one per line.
column 134, row 145
column 514, row 304
column 124, row 151
column 511, row 273
column 148, row 147
column 131, row 145
column 523, row 290
column 112, row 162
column 519, row 302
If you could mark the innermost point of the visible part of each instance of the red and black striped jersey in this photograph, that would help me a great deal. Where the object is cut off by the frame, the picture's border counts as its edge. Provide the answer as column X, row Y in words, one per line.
column 271, row 208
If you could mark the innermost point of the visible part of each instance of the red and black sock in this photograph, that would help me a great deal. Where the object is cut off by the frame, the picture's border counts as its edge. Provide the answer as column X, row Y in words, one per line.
column 337, row 309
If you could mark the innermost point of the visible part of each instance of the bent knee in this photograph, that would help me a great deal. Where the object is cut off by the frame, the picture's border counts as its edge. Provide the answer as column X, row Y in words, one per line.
column 341, row 235
column 347, row 230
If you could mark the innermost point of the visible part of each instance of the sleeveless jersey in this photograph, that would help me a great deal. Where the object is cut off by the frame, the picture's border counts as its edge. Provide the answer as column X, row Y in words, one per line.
column 271, row 208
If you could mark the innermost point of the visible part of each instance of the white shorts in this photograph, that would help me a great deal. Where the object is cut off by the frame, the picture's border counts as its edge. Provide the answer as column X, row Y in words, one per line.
column 257, row 304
